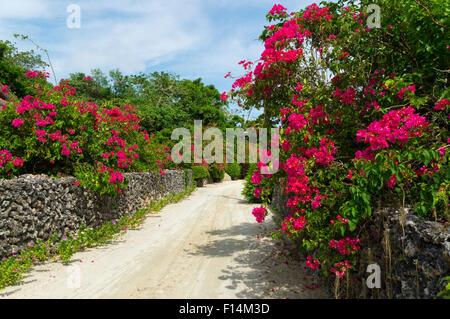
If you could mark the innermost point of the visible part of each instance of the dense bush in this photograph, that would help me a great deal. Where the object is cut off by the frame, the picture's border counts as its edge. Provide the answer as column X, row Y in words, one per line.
column 13, row 66
column 244, row 169
column 216, row 172
column 52, row 132
column 199, row 172
column 256, row 190
column 234, row 170
column 364, row 115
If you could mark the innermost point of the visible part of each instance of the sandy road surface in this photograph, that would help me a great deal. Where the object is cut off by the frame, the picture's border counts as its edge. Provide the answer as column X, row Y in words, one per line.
column 206, row 246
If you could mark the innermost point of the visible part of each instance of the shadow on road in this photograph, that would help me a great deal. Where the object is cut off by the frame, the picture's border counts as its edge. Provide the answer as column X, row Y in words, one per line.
column 262, row 267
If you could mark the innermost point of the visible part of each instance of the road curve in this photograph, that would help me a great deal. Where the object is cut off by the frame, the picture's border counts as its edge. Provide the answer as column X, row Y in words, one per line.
column 206, row 246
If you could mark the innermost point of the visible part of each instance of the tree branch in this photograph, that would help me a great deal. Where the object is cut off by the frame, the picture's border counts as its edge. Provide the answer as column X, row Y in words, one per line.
column 431, row 17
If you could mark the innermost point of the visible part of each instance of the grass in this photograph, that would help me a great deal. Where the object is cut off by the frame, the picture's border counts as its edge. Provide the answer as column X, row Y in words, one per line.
column 12, row 269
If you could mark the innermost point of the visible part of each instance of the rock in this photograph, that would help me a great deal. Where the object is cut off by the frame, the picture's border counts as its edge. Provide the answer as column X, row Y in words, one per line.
column 36, row 206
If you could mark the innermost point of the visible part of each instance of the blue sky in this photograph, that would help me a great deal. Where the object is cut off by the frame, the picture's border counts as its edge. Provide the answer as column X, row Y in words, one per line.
column 192, row 38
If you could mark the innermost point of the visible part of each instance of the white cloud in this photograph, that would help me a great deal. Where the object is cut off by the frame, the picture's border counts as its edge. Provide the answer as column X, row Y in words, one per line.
column 194, row 38
column 132, row 37
column 24, row 9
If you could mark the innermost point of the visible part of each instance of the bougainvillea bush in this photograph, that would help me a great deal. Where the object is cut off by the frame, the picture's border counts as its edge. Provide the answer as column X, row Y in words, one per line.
column 51, row 132
column 364, row 118
column 256, row 188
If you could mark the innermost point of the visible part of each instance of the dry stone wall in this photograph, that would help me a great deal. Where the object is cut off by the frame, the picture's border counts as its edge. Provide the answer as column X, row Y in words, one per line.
column 413, row 254
column 36, row 206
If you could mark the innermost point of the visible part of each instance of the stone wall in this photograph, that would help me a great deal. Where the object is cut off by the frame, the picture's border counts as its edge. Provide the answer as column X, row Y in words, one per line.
column 36, row 206
column 279, row 200
column 413, row 254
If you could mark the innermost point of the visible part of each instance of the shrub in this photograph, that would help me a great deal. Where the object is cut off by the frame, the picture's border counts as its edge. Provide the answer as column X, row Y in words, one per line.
column 199, row 172
column 368, row 131
column 186, row 177
column 234, row 170
column 256, row 193
column 51, row 132
column 249, row 190
column 244, row 170
column 216, row 172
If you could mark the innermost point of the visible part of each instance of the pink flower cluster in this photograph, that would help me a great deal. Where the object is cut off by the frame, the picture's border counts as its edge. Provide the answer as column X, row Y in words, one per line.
column 395, row 127
column 297, row 121
column 340, row 269
column 392, row 181
column 115, row 177
column 277, row 9
column 257, row 192
column 40, row 74
column 278, row 46
column 6, row 156
column 345, row 246
column 441, row 105
column 347, row 97
column 5, row 89
column 411, row 88
column 324, row 153
column 313, row 264
column 259, row 213
column 313, row 12
column 17, row 122
column 293, row 223
column 318, row 116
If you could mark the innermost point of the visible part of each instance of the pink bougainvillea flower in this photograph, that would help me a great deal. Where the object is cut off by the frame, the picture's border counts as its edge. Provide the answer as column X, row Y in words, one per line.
column 257, row 192
column 312, row 263
column 277, row 9
column 441, row 105
column 392, row 181
column 64, row 102
column 259, row 213
column 286, row 145
column 5, row 89
column 17, row 122
column 350, row 175
column 18, row 161
column 31, row 74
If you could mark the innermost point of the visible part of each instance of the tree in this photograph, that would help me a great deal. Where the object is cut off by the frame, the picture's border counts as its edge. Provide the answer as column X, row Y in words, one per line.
column 13, row 67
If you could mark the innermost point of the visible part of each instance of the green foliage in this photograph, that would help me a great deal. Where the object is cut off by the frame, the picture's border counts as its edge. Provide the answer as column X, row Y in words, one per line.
column 249, row 187
column 234, row 170
column 199, row 172
column 96, row 90
column 216, row 172
column 363, row 113
column 13, row 67
column 68, row 136
column 164, row 101
column 445, row 294
column 186, row 177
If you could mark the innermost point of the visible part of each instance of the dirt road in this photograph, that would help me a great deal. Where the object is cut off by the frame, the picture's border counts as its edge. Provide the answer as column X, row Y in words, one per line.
column 206, row 246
